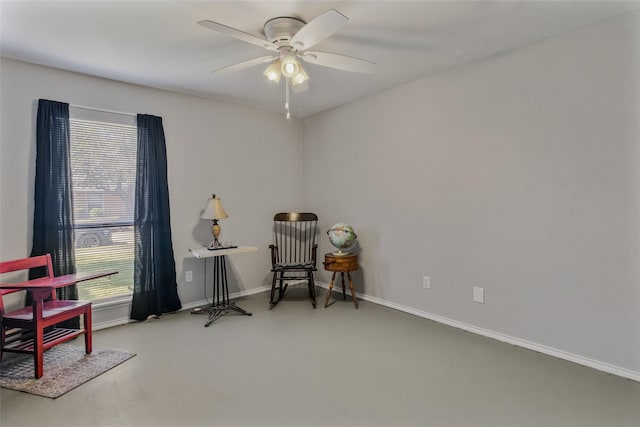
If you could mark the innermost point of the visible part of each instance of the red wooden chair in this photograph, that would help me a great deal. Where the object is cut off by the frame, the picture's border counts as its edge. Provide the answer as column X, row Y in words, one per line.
column 32, row 329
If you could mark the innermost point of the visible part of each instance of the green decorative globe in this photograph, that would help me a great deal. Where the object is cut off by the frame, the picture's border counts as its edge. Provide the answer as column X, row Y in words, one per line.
column 342, row 236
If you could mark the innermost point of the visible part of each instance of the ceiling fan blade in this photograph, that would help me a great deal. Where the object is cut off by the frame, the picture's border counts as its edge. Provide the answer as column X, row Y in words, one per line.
column 237, row 34
column 245, row 64
column 318, row 29
column 341, row 62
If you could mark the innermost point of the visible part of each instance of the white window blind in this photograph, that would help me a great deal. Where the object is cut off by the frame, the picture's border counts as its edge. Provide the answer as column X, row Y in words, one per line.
column 103, row 168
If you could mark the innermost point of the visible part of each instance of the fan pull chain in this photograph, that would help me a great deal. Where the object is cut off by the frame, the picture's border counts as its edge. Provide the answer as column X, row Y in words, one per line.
column 286, row 103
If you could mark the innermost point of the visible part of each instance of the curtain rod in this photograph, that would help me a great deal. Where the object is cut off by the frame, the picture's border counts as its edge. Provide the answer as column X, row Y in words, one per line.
column 102, row 110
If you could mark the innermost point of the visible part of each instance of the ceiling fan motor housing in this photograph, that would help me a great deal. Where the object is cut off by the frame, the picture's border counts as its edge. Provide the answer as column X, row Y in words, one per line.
column 279, row 31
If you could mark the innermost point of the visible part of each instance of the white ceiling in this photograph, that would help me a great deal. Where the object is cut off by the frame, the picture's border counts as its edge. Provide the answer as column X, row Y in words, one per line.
column 159, row 44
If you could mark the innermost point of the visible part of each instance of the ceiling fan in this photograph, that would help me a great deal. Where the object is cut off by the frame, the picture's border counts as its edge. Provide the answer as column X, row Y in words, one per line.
column 288, row 39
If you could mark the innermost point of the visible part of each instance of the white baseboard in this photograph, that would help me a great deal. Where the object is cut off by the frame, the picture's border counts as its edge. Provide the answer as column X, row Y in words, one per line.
column 111, row 323
column 561, row 354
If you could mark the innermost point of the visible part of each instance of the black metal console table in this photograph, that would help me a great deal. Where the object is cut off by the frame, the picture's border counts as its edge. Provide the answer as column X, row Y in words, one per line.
column 220, row 304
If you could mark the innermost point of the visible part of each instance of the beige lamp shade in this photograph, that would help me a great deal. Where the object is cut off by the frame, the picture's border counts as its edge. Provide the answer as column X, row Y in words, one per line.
column 214, row 209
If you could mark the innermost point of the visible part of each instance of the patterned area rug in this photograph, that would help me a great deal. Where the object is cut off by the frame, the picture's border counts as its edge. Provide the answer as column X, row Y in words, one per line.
column 65, row 368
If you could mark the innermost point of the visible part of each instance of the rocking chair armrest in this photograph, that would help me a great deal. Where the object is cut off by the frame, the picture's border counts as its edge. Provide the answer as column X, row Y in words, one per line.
column 313, row 253
column 274, row 254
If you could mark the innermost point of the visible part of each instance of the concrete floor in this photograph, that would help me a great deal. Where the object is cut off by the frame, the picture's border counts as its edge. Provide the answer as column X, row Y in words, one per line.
column 296, row 366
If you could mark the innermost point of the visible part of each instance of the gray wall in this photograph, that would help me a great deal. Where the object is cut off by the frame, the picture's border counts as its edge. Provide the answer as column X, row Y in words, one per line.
column 518, row 174
column 211, row 147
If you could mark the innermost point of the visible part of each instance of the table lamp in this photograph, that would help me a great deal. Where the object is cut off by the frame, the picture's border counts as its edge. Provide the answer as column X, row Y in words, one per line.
column 214, row 211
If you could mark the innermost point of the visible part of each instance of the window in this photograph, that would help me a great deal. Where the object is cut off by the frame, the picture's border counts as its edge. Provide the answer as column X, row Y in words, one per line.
column 103, row 169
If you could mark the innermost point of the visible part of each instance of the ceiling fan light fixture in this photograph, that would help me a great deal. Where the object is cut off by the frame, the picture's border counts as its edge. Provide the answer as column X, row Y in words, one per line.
column 288, row 39
column 290, row 66
column 300, row 78
column 272, row 72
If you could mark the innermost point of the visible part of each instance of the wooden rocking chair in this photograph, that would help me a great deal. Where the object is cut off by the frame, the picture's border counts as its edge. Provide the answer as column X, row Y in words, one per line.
column 293, row 254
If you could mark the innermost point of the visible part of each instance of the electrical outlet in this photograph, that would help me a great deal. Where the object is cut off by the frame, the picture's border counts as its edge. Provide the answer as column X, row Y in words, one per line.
column 478, row 294
column 426, row 282
column 188, row 276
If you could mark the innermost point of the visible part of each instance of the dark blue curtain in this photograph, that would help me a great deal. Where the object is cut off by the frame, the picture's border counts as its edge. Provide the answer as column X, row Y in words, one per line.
column 155, row 289
column 53, row 201
column 53, row 207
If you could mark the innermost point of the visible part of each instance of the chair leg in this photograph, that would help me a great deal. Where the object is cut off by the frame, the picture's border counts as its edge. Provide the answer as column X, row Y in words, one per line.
column 312, row 289
column 88, row 338
column 273, row 288
column 1, row 341
column 38, row 351
column 283, row 286
column 277, row 281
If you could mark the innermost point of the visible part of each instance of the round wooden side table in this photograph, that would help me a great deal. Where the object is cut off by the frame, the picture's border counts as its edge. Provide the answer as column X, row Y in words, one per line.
column 345, row 263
